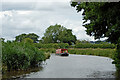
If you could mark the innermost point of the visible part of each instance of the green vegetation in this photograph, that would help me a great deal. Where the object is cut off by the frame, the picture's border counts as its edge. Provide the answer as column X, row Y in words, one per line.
column 86, row 51
column 47, row 55
column 1, row 40
column 48, row 50
column 104, row 21
column 20, row 55
column 52, row 45
column 103, row 18
column 27, row 40
column 89, row 45
column 58, row 34
column 103, row 49
column 78, row 45
column 32, row 36
column 97, row 52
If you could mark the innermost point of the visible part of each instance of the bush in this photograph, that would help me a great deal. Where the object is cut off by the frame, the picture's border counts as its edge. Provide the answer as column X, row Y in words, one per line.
column 49, row 50
column 20, row 55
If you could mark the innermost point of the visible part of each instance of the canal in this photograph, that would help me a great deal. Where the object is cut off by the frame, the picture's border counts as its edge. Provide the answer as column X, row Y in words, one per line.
column 72, row 66
column 76, row 66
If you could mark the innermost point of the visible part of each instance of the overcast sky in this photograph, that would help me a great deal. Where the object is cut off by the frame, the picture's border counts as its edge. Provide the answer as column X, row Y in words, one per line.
column 35, row 16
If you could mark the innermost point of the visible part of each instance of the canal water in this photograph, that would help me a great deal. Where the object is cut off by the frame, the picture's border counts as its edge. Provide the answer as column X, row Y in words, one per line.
column 75, row 66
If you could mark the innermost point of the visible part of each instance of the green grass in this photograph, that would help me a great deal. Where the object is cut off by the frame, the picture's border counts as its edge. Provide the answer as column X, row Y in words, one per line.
column 89, row 45
column 87, row 51
column 97, row 52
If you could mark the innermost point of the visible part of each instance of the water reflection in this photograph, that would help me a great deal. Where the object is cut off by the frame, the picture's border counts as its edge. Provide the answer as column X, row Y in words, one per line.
column 117, row 75
column 20, row 73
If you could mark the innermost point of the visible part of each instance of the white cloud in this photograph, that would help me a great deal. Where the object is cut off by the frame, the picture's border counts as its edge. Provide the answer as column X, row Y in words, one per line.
column 39, row 17
column 35, row 0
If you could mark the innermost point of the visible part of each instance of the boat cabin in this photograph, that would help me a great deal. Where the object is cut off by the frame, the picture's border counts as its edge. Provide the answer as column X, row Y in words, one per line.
column 62, row 52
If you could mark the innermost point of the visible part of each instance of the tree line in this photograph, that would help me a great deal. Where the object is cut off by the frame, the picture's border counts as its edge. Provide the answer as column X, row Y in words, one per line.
column 57, row 36
column 53, row 34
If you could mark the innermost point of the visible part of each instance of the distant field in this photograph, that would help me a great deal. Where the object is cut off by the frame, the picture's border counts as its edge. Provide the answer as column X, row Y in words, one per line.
column 98, row 52
column 86, row 51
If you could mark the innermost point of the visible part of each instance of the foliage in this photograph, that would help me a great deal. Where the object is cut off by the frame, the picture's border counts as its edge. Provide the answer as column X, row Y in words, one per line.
column 52, row 45
column 66, row 36
column 98, row 52
column 104, row 21
column 32, row 36
column 48, row 50
column 78, row 45
column 47, row 55
column 89, row 45
column 63, row 45
column 58, row 34
column 2, row 39
column 20, row 55
column 89, row 51
column 117, row 56
column 100, row 15
column 82, row 41
column 27, row 40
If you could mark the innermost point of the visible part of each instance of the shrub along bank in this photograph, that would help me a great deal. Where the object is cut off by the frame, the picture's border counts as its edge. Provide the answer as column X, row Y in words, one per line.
column 20, row 55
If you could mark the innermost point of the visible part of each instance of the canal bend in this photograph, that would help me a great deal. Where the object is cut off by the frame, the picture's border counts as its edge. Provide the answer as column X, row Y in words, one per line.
column 76, row 66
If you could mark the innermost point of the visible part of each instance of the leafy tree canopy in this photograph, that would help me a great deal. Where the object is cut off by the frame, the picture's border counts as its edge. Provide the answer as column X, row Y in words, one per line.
column 2, row 39
column 104, row 19
column 32, row 36
column 82, row 41
column 58, row 34
column 27, row 40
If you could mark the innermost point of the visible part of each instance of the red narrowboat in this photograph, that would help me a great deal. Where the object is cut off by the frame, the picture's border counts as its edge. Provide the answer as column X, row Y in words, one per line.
column 62, row 52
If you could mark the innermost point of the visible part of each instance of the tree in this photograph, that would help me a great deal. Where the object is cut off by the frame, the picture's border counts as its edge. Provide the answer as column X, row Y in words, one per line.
column 19, row 38
column 58, row 34
column 82, row 41
column 104, row 21
column 32, row 36
column 27, row 40
column 66, row 36
column 2, row 39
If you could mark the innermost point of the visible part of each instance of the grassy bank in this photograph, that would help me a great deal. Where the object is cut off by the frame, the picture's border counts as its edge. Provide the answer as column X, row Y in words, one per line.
column 97, row 52
column 87, row 51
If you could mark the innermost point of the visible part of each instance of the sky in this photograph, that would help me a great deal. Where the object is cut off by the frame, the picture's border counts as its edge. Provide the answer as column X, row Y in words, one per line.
column 35, row 16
